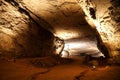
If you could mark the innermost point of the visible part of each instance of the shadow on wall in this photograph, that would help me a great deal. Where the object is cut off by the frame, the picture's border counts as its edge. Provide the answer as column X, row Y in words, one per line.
column 21, row 35
column 32, row 42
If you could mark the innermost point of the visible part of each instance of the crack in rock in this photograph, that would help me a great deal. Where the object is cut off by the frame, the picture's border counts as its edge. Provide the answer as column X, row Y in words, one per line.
column 34, row 76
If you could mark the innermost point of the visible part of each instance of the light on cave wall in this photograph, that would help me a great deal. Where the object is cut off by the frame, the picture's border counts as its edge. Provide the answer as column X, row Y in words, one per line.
column 80, row 47
column 93, row 23
column 90, row 22
column 65, row 54
column 66, row 34
column 74, row 46
column 7, row 31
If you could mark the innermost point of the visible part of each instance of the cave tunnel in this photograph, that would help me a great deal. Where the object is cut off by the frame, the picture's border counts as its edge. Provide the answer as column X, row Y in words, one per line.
column 45, row 33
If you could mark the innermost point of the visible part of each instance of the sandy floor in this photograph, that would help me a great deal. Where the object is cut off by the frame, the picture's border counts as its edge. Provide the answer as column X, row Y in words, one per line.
column 23, row 70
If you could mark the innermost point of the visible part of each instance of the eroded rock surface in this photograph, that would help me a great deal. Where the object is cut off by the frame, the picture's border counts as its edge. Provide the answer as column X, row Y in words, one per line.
column 20, row 34
column 65, row 16
column 105, row 15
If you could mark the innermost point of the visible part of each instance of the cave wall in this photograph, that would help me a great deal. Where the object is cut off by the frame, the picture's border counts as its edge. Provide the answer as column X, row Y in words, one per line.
column 105, row 17
column 20, row 34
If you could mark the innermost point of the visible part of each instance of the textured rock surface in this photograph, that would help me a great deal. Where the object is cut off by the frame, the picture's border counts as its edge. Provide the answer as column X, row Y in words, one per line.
column 105, row 15
column 65, row 16
column 21, row 21
column 20, row 34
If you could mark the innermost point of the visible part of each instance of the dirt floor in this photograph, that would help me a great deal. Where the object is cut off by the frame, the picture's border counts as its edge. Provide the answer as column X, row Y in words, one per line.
column 22, row 69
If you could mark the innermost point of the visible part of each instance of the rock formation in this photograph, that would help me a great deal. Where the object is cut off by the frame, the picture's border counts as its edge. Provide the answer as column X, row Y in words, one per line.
column 105, row 17
column 20, row 34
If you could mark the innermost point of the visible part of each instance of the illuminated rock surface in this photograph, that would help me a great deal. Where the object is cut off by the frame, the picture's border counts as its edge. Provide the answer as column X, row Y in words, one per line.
column 20, row 35
column 107, row 22
column 27, row 27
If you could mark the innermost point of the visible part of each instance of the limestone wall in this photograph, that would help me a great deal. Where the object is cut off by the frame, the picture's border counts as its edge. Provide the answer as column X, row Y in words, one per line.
column 105, row 15
column 20, row 34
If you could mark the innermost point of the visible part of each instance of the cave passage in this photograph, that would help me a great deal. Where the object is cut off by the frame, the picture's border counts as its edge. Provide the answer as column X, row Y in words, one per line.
column 36, row 31
column 81, row 47
column 59, row 40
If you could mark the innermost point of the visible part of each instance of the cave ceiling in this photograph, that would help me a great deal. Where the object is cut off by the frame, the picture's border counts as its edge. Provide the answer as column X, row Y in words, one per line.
column 65, row 17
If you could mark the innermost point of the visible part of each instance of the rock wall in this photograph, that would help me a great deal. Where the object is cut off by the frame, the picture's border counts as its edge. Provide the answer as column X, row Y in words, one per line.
column 105, row 17
column 20, row 34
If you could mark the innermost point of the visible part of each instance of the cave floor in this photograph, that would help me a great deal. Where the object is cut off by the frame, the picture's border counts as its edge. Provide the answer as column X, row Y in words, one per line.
column 22, row 70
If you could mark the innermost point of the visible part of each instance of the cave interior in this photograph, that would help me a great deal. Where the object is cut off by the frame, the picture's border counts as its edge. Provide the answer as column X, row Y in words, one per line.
column 44, row 38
